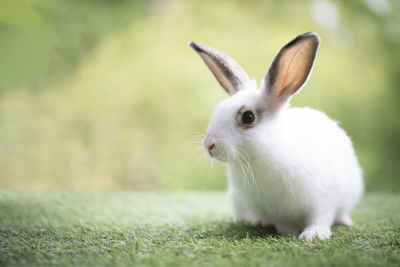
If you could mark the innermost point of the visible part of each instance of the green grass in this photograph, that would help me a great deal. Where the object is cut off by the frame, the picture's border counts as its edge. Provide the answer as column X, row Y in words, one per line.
column 179, row 228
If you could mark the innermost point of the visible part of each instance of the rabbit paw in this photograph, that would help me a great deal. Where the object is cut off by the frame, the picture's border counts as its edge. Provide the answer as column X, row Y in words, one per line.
column 315, row 232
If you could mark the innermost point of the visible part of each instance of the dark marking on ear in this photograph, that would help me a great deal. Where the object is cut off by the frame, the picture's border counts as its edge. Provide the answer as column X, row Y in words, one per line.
column 196, row 47
column 227, row 71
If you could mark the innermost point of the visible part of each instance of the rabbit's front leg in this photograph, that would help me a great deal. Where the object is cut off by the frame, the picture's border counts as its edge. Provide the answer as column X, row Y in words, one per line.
column 243, row 210
column 319, row 227
column 314, row 232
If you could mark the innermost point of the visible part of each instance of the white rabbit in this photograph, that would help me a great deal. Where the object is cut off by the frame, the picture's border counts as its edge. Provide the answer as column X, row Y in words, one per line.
column 293, row 168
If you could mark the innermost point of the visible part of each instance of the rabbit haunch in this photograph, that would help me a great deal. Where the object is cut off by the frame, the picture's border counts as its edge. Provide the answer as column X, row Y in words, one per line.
column 293, row 168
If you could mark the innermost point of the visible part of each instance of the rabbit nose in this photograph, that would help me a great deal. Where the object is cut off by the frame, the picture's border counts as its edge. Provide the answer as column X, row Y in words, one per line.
column 211, row 147
column 209, row 144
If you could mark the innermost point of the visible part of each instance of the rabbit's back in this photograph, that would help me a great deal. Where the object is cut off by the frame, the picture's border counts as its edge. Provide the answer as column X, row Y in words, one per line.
column 320, row 149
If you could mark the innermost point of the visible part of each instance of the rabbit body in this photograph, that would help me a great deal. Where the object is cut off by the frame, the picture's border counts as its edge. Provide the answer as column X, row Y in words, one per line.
column 293, row 168
column 304, row 173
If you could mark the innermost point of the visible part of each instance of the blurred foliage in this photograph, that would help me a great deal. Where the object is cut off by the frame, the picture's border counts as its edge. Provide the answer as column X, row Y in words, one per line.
column 107, row 95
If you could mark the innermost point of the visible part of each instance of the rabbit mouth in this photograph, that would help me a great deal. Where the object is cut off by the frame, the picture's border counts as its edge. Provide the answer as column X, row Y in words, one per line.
column 218, row 157
column 215, row 148
column 217, row 152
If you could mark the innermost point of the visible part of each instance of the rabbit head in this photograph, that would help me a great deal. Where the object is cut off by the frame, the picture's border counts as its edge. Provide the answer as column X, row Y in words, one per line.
column 248, row 109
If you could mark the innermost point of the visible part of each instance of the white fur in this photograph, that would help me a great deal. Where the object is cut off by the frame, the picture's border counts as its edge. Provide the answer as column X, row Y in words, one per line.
column 294, row 168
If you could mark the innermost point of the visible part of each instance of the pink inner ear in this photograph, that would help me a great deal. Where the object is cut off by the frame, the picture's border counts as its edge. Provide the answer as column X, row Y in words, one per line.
column 286, row 73
column 293, row 67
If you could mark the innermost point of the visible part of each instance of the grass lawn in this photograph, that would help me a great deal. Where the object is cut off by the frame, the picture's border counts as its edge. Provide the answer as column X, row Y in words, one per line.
column 179, row 228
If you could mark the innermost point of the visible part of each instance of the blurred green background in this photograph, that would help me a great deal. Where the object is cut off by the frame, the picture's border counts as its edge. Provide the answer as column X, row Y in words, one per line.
column 107, row 95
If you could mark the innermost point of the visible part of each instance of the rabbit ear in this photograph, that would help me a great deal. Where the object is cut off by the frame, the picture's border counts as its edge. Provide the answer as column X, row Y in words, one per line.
column 291, row 68
column 226, row 70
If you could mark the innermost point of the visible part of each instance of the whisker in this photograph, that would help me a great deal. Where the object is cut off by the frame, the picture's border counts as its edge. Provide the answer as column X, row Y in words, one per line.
column 241, row 166
column 210, row 168
column 200, row 160
column 246, row 161
column 200, row 133
column 247, row 164
column 196, row 138
column 196, row 142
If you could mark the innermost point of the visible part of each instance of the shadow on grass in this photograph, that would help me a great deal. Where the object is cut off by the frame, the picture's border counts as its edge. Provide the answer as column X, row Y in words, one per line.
column 231, row 231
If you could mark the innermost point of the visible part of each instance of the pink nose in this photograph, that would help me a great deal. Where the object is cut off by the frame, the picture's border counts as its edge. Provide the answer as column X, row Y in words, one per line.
column 211, row 147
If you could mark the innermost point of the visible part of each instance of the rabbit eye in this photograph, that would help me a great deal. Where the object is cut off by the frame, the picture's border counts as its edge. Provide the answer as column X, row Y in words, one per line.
column 248, row 117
